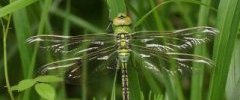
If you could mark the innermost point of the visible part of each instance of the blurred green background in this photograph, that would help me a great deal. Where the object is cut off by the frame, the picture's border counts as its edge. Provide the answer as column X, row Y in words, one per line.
column 27, row 18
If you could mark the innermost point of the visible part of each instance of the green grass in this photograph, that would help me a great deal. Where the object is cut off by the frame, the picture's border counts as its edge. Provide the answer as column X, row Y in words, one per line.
column 197, row 87
column 31, row 17
column 228, row 24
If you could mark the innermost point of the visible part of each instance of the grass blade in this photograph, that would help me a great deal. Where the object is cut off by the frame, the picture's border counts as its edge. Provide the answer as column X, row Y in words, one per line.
column 198, row 75
column 156, row 17
column 228, row 22
column 15, row 6
column 22, row 32
column 116, row 7
column 233, row 81
column 76, row 20
column 134, row 86
column 31, row 66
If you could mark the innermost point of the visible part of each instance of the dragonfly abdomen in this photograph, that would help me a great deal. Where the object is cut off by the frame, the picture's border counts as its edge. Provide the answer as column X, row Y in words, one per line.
column 125, row 91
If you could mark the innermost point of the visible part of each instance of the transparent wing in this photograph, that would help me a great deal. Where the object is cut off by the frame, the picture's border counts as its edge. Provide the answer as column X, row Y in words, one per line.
column 176, row 40
column 72, row 44
column 71, row 68
column 164, row 61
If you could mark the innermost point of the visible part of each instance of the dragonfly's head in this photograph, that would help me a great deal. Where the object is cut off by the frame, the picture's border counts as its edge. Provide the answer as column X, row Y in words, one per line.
column 122, row 20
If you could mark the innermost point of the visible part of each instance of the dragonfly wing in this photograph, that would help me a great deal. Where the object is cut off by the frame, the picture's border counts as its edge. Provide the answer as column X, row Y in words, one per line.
column 175, row 40
column 71, row 68
column 164, row 61
column 74, row 74
column 72, row 44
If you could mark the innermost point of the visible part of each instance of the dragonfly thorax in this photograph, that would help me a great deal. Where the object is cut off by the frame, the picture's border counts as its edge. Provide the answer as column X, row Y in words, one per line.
column 122, row 29
column 122, row 40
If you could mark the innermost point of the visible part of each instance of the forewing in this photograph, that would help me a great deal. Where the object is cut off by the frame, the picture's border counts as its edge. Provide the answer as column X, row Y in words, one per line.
column 72, row 44
column 176, row 40
column 169, row 62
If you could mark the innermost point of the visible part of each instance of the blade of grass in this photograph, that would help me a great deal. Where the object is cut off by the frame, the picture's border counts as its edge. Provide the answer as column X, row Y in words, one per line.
column 116, row 7
column 228, row 22
column 66, row 27
column 167, row 2
column 183, row 13
column 233, row 81
column 44, row 16
column 22, row 29
column 148, row 13
column 134, row 85
column 22, row 32
column 156, row 17
column 84, row 78
column 198, row 75
column 66, row 31
column 15, row 6
column 76, row 20
column 113, row 94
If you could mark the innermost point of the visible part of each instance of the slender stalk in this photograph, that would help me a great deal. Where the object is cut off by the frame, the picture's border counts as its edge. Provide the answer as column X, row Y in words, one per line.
column 84, row 79
column 5, row 32
column 198, row 75
column 113, row 94
column 156, row 16
column 67, row 22
column 66, row 30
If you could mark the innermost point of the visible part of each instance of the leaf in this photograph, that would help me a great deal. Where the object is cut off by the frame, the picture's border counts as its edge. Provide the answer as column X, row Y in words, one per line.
column 15, row 6
column 48, row 78
column 24, row 84
column 46, row 91
column 14, row 88
column 228, row 23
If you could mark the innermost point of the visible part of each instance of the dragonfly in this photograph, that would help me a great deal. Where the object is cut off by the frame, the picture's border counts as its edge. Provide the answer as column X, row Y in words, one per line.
column 113, row 50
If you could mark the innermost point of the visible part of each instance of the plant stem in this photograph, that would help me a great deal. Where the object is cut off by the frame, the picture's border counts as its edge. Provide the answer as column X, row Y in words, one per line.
column 5, row 32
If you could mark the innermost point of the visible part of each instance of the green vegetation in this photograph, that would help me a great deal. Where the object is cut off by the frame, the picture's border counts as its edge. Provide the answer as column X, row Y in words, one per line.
column 19, row 62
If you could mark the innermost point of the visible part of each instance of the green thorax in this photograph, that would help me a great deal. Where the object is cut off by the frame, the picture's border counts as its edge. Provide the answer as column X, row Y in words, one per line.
column 121, row 27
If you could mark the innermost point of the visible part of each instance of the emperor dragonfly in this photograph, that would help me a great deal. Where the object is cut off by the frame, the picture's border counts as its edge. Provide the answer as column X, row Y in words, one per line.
column 114, row 49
